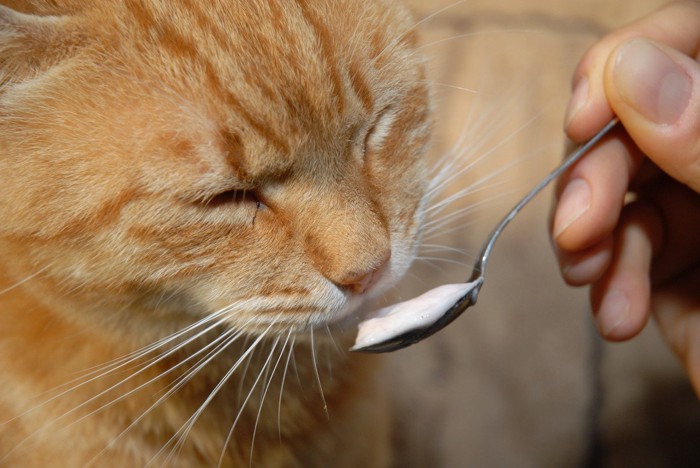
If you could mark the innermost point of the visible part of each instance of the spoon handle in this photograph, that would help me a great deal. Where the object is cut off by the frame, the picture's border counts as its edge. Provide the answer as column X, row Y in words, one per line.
column 480, row 265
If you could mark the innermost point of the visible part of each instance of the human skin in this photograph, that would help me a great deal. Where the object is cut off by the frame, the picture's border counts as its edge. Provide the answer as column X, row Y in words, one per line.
column 626, row 219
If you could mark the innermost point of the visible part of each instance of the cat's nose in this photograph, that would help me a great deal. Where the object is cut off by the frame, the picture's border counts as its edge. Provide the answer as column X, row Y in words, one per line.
column 360, row 283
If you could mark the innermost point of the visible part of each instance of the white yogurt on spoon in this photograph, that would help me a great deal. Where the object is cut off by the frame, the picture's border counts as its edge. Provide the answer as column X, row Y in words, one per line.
column 420, row 312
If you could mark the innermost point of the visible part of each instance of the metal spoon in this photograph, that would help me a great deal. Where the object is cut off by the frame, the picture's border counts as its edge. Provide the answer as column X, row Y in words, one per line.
column 473, row 285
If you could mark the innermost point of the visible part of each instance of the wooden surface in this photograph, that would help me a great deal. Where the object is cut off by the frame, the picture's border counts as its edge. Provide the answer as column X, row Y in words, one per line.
column 522, row 380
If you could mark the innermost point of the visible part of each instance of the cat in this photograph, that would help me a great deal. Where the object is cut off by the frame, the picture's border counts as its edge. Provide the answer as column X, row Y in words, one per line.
column 198, row 199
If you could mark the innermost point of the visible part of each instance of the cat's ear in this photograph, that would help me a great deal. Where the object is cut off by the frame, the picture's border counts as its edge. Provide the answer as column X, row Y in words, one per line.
column 27, row 42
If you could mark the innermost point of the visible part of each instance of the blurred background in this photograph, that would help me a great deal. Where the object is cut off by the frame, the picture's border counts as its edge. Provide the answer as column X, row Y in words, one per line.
column 522, row 380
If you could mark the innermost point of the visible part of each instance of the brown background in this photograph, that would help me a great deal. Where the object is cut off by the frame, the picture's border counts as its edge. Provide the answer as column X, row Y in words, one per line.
column 522, row 380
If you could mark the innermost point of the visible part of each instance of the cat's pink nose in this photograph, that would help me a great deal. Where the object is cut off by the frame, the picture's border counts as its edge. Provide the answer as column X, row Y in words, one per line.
column 360, row 283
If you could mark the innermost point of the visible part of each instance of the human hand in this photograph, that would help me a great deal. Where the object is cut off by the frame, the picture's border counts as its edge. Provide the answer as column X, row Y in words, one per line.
column 627, row 217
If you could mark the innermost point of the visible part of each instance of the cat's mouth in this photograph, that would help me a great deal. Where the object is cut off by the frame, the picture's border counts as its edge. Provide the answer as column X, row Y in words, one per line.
column 311, row 303
column 361, row 304
column 358, row 307
column 338, row 312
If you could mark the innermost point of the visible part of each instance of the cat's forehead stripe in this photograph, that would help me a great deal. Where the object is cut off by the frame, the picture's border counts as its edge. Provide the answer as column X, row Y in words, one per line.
column 251, row 170
column 361, row 87
column 344, row 74
column 206, row 24
column 185, row 48
column 263, row 129
column 328, row 53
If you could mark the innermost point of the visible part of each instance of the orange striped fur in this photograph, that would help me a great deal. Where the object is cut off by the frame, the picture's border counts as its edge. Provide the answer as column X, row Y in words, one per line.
column 250, row 169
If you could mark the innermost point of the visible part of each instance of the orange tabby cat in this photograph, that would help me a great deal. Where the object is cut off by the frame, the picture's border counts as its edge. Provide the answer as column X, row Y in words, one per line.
column 195, row 196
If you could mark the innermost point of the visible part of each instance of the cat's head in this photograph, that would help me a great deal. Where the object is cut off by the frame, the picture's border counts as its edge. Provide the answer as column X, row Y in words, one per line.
column 186, row 157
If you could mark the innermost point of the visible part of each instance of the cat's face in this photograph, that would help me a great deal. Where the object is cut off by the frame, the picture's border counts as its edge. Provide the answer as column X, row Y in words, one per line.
column 261, row 157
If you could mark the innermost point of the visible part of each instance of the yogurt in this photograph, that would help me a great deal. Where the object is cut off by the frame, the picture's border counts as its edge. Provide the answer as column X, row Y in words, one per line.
column 420, row 312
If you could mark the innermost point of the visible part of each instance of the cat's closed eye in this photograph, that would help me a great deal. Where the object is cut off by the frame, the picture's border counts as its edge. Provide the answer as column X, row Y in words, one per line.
column 233, row 197
column 379, row 131
column 370, row 137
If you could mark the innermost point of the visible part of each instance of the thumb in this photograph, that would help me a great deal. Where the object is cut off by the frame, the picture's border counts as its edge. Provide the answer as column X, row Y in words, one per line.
column 655, row 91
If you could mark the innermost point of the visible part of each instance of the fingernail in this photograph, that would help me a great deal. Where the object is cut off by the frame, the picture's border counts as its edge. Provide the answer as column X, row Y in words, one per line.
column 651, row 82
column 613, row 312
column 581, row 271
column 577, row 101
column 574, row 202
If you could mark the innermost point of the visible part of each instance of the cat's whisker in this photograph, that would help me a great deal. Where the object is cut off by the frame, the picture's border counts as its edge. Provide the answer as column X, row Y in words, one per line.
column 451, row 86
column 475, row 147
column 443, row 170
column 141, row 368
column 438, row 215
column 444, row 260
column 448, row 175
column 490, row 152
column 189, row 424
column 168, row 339
column 318, row 376
column 224, row 341
column 337, row 347
column 480, row 186
column 329, row 363
column 110, row 369
column 135, row 355
column 189, row 357
column 219, row 344
column 284, row 379
column 165, row 297
column 475, row 34
column 264, row 393
column 443, row 221
column 439, row 219
column 441, row 231
column 394, row 43
column 266, row 374
column 24, row 281
column 443, row 248
column 440, row 222
column 430, row 264
column 437, row 233
column 390, row 47
column 476, row 132
column 451, row 157
column 224, row 312
column 182, row 433
column 94, row 398
column 245, row 402
column 458, row 159
column 241, row 381
column 91, row 369
column 437, row 13
column 177, row 448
